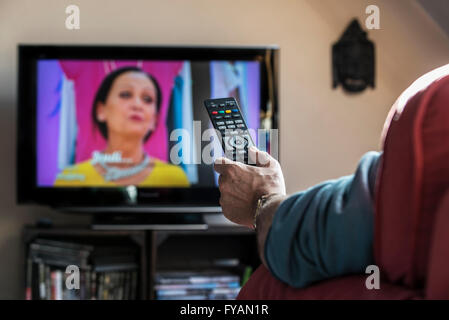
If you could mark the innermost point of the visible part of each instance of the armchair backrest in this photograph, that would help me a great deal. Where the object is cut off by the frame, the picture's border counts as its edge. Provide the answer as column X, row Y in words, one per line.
column 438, row 271
column 412, row 185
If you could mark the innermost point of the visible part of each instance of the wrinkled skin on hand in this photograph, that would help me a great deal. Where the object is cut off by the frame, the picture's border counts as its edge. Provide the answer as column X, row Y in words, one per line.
column 242, row 185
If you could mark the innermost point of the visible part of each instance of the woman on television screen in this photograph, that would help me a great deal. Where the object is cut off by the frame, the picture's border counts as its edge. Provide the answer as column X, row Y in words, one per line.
column 125, row 112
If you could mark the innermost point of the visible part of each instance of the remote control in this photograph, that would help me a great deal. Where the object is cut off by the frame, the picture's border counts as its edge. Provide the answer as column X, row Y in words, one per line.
column 231, row 128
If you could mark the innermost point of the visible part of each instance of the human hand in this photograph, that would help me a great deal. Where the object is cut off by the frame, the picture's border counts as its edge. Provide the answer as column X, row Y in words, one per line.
column 242, row 185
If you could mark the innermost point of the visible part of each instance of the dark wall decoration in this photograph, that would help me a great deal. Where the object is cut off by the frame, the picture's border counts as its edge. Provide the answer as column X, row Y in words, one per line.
column 353, row 61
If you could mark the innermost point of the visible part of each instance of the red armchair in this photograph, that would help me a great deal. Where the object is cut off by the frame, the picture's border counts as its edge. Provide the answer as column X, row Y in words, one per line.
column 411, row 236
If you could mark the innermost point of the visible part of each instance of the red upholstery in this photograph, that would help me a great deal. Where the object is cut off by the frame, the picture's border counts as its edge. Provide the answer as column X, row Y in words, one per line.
column 438, row 275
column 263, row 286
column 412, row 212
column 414, row 176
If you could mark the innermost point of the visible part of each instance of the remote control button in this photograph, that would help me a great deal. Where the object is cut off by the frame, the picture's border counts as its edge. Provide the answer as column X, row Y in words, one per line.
column 221, row 127
column 235, row 110
column 238, row 121
column 222, row 105
column 218, row 117
column 231, row 126
column 229, row 122
column 221, row 111
column 236, row 115
column 228, row 117
column 228, row 111
column 241, row 125
column 220, row 123
column 214, row 112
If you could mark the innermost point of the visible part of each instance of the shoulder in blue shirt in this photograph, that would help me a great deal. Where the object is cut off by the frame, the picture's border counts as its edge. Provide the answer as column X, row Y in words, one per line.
column 325, row 231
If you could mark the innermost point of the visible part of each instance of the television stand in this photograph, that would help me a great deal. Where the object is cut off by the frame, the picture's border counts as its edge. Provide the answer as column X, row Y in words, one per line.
column 152, row 221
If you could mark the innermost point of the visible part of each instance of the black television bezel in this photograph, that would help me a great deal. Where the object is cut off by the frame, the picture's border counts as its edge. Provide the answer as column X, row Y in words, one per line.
column 182, row 200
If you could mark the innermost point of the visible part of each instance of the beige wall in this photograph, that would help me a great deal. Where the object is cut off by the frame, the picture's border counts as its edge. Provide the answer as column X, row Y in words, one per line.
column 324, row 131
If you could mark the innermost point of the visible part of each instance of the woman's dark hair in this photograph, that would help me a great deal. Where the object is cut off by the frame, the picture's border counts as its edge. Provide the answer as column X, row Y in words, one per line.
column 103, row 93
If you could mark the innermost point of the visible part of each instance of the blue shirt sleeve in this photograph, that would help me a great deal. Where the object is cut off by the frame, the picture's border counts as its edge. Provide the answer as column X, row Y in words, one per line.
column 325, row 231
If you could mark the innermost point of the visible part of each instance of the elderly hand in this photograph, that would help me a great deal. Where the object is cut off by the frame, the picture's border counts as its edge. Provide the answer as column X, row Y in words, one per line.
column 242, row 185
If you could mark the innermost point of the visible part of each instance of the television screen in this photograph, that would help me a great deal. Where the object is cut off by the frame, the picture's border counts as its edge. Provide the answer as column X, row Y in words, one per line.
column 132, row 120
column 100, row 117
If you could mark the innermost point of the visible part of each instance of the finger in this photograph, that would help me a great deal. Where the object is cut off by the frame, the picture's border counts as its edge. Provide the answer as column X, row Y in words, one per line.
column 221, row 165
column 260, row 158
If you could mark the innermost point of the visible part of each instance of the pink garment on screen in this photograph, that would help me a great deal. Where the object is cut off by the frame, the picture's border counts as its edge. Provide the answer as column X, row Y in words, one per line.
column 87, row 76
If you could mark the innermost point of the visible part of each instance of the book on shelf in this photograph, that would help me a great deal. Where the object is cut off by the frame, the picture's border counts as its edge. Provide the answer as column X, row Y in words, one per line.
column 205, row 285
column 216, row 291
column 183, row 277
column 183, row 297
column 196, row 285
column 105, row 272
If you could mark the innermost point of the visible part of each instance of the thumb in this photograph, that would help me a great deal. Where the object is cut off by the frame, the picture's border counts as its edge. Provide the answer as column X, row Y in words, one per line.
column 260, row 158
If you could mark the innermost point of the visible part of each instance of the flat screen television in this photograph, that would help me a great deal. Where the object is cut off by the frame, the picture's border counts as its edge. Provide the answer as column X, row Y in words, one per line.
column 100, row 127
